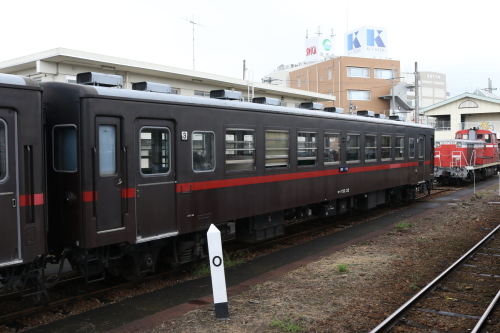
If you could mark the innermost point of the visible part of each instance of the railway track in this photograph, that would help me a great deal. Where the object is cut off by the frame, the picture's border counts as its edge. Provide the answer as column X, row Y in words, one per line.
column 296, row 232
column 462, row 297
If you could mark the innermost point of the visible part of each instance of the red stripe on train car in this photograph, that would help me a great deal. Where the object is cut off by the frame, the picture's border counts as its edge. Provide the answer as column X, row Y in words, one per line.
column 187, row 187
column 89, row 196
column 128, row 193
column 31, row 200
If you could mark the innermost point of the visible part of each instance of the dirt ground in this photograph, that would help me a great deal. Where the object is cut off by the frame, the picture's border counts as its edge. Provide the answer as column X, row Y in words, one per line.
column 357, row 288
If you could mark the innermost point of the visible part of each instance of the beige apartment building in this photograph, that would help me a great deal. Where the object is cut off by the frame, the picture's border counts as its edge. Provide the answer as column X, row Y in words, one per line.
column 357, row 83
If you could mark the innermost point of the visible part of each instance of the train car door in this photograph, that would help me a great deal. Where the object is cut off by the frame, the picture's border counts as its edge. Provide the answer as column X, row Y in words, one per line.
column 421, row 158
column 155, row 176
column 10, row 250
column 108, row 176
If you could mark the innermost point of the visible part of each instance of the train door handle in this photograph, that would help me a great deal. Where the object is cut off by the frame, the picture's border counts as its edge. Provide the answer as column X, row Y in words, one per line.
column 14, row 203
column 119, row 182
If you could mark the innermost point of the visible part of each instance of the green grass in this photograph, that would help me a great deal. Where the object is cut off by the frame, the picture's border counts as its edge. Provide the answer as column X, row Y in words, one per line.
column 287, row 325
column 403, row 225
column 342, row 268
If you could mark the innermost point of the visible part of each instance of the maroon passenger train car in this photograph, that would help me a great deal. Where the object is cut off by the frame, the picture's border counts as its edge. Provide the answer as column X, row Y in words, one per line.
column 22, row 199
column 136, row 178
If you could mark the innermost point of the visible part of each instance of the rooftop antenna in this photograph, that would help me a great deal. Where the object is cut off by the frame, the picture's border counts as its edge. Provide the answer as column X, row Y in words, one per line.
column 490, row 87
column 193, row 23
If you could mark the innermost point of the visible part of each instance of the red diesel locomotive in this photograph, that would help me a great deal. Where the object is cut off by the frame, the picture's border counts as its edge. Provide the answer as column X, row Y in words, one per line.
column 472, row 155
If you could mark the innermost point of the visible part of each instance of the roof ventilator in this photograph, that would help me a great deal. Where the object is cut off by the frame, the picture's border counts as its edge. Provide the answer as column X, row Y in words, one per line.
column 267, row 101
column 311, row 106
column 99, row 79
column 397, row 118
column 366, row 113
column 334, row 109
column 226, row 94
column 152, row 87
column 380, row 116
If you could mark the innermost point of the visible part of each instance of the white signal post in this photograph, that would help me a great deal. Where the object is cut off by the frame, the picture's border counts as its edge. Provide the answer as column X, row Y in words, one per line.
column 217, row 272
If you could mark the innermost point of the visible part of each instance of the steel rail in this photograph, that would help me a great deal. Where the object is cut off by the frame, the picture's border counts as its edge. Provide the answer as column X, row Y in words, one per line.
column 393, row 319
column 486, row 313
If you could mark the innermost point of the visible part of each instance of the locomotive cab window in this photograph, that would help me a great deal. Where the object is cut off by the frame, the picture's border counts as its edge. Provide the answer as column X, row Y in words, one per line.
column 307, row 148
column 352, row 151
column 412, row 148
column 203, row 151
column 400, row 147
column 64, row 148
column 3, row 151
column 155, row 150
column 332, row 148
column 370, row 148
column 240, row 149
column 277, row 149
column 386, row 147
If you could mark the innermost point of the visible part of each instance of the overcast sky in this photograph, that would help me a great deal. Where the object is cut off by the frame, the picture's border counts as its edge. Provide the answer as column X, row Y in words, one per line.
column 457, row 38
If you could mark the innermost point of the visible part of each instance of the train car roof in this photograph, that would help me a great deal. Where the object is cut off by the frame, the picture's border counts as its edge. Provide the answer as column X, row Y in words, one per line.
column 212, row 102
column 17, row 80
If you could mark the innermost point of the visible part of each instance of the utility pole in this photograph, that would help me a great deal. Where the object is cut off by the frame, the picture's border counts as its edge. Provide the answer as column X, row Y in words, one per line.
column 417, row 94
column 193, row 23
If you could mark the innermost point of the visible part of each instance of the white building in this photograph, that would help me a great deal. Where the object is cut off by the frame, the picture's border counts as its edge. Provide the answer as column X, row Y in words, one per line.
column 62, row 65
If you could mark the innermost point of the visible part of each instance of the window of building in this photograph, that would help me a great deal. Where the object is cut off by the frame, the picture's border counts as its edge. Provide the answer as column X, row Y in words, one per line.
column 203, row 151
column 400, row 147
column 71, row 78
column 201, row 93
column 330, row 74
column 412, row 148
column 370, row 148
column 307, row 148
column 3, row 150
column 386, row 147
column 64, row 148
column 240, row 149
column 332, row 148
column 277, row 149
column 468, row 104
column 155, row 150
column 358, row 95
column 352, row 149
column 383, row 73
column 175, row 91
column 358, row 72
column 298, row 82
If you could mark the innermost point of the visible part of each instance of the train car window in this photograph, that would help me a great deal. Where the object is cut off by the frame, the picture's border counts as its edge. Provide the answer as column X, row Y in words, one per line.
column 240, row 149
column 370, row 148
column 107, row 150
column 487, row 138
column 3, row 150
column 307, row 148
column 203, row 151
column 386, row 147
column 412, row 148
column 64, row 148
column 400, row 147
column 352, row 150
column 277, row 149
column 155, row 150
column 332, row 148
column 420, row 145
